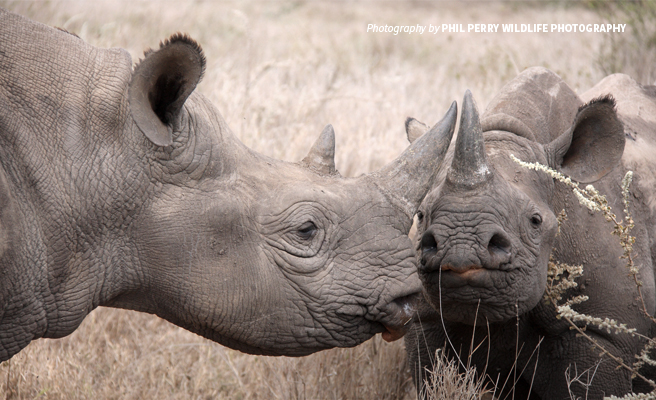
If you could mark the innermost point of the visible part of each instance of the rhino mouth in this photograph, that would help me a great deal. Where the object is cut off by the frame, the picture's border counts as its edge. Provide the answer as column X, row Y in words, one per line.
column 475, row 277
column 399, row 314
column 484, row 293
column 458, row 288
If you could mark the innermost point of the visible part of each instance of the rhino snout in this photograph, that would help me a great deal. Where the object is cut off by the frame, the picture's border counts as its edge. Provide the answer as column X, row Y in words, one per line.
column 490, row 251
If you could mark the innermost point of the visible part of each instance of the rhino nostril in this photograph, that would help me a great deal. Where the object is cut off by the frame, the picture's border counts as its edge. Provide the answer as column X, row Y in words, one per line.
column 428, row 247
column 499, row 245
column 428, row 243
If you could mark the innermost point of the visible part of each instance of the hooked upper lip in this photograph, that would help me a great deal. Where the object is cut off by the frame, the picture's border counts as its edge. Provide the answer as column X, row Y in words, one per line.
column 401, row 311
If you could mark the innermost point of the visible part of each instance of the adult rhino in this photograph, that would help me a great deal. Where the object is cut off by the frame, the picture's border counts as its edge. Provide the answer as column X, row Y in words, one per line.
column 126, row 189
column 487, row 230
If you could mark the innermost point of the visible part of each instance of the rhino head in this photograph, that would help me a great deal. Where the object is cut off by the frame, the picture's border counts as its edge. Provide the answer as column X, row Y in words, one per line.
column 150, row 203
column 486, row 232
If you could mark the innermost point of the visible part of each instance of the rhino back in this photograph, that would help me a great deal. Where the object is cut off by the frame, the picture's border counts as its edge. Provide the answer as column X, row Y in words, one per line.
column 63, row 107
column 636, row 106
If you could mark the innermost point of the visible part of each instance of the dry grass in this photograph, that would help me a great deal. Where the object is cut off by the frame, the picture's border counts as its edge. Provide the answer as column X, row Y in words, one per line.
column 278, row 72
column 118, row 354
column 446, row 382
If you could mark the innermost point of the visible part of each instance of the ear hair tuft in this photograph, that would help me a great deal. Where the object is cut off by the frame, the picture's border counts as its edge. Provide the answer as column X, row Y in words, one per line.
column 408, row 121
column 180, row 37
column 146, row 53
column 607, row 99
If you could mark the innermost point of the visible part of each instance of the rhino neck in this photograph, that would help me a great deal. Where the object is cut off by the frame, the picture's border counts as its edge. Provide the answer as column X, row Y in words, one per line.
column 196, row 156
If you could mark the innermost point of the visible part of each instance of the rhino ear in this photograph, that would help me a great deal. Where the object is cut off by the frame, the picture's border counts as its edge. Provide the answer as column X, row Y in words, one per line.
column 594, row 144
column 414, row 129
column 160, row 85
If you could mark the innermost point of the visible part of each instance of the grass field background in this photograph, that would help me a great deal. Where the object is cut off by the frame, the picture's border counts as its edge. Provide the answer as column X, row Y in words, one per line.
column 279, row 72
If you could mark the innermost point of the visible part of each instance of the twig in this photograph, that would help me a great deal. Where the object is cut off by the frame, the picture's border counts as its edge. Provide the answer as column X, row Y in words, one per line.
column 557, row 285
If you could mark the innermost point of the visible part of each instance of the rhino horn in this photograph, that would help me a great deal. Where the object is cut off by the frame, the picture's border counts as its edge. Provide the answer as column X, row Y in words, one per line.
column 469, row 166
column 321, row 157
column 408, row 178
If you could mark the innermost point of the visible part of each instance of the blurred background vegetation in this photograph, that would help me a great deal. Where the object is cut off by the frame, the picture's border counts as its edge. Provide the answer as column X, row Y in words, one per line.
column 633, row 52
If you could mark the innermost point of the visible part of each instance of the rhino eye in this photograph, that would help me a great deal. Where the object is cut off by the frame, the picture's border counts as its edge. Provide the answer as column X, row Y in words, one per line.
column 536, row 220
column 420, row 216
column 307, row 230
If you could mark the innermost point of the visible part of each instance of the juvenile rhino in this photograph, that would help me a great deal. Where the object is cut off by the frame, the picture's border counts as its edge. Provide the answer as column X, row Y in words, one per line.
column 487, row 230
column 126, row 189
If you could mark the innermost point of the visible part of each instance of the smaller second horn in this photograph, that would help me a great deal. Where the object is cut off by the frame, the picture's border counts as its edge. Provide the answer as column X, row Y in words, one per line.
column 321, row 157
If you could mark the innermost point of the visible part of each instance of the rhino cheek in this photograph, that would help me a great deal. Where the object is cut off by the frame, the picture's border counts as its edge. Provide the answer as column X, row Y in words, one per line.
column 357, row 283
column 194, row 268
column 249, row 307
column 326, row 317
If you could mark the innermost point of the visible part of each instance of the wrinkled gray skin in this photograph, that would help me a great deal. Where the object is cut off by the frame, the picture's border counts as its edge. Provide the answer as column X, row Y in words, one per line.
column 487, row 230
column 127, row 189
